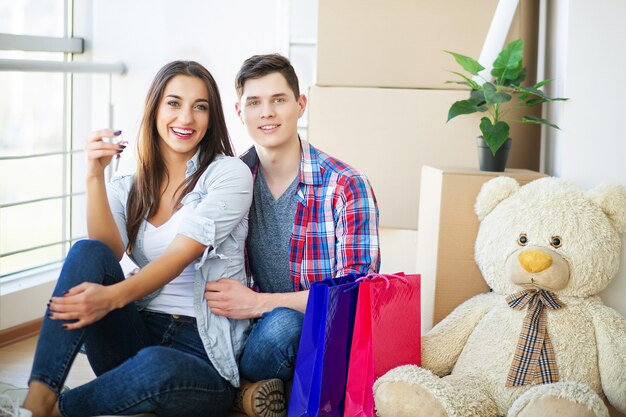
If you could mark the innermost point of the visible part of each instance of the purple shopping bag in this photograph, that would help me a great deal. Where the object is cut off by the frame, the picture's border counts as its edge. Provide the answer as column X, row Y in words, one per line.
column 319, row 380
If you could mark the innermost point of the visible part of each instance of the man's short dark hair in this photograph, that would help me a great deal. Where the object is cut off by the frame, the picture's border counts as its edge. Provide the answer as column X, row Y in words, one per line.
column 260, row 65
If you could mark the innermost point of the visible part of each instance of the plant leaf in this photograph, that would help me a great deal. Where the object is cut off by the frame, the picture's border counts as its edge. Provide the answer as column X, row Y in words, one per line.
column 478, row 97
column 508, row 64
column 516, row 82
column 469, row 64
column 531, row 90
column 495, row 135
column 535, row 101
column 534, row 91
column 493, row 96
column 538, row 120
column 458, row 82
column 542, row 83
column 464, row 107
column 473, row 84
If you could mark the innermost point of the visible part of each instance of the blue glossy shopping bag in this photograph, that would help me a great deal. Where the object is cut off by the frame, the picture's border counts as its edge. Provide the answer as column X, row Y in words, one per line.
column 319, row 381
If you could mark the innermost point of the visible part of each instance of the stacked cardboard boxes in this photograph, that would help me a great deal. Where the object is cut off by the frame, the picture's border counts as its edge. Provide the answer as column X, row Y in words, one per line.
column 381, row 101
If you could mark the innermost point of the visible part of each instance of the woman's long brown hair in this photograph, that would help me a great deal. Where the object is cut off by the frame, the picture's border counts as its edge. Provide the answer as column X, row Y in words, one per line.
column 145, row 194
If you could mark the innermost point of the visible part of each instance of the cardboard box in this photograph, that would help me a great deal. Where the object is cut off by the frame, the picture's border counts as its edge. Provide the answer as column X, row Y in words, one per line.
column 400, row 43
column 448, row 227
column 388, row 134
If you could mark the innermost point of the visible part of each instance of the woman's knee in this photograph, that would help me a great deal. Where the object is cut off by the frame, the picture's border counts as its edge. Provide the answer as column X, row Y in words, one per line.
column 89, row 261
column 89, row 248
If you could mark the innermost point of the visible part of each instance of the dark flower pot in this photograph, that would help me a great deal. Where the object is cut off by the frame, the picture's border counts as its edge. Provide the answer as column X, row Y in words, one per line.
column 489, row 162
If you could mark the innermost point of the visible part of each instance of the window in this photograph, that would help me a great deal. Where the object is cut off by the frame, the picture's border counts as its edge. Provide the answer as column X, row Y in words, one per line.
column 42, row 198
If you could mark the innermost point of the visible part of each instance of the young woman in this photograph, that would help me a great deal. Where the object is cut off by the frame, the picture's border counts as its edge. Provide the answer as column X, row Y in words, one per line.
column 151, row 338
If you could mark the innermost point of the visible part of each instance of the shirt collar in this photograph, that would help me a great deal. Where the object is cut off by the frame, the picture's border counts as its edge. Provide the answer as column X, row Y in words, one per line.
column 193, row 163
column 310, row 169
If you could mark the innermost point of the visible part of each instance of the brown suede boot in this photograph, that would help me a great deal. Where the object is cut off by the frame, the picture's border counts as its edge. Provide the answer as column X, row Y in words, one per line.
column 264, row 398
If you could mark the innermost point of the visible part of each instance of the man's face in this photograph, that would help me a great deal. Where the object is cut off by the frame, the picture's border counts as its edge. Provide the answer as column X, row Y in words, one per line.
column 270, row 111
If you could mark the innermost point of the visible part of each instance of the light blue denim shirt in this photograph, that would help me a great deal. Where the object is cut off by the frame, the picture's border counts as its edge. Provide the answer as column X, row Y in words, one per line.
column 219, row 220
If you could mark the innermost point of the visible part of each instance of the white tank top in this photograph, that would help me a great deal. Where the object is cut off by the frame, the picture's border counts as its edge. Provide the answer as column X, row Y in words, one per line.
column 176, row 297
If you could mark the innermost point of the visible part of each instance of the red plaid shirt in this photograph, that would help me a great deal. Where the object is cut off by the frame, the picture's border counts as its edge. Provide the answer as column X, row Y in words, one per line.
column 335, row 231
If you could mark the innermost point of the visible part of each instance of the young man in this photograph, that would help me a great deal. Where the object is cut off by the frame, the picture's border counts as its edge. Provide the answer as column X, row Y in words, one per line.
column 312, row 217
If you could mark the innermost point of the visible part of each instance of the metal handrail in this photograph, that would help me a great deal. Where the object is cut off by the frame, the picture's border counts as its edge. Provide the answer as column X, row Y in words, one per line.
column 31, row 248
column 31, row 65
column 11, row 42
column 39, row 155
column 38, row 200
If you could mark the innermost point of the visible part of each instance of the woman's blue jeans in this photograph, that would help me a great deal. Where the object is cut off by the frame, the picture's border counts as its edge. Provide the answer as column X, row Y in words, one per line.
column 272, row 345
column 144, row 361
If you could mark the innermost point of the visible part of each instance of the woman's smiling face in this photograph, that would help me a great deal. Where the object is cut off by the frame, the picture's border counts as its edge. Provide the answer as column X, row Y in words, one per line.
column 183, row 115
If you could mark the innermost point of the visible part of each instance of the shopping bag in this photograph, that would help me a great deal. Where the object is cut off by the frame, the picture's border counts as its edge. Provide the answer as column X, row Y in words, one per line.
column 319, row 381
column 386, row 334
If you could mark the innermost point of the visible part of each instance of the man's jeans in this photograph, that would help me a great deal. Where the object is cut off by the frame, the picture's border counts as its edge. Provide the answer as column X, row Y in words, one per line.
column 272, row 346
column 144, row 361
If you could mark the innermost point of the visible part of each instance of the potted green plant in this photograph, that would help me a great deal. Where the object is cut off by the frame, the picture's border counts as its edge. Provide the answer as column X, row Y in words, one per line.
column 498, row 97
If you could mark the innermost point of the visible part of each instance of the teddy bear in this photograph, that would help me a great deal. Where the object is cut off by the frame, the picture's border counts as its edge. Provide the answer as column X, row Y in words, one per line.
column 541, row 342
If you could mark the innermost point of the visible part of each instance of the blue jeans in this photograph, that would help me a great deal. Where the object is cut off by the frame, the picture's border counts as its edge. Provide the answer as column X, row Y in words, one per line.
column 272, row 345
column 144, row 361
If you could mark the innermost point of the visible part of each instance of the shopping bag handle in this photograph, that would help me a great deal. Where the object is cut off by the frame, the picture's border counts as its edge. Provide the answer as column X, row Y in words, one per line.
column 356, row 283
column 374, row 275
column 386, row 277
column 351, row 277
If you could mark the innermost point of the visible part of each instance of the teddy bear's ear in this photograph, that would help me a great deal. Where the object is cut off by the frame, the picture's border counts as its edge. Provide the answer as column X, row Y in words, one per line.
column 492, row 193
column 611, row 198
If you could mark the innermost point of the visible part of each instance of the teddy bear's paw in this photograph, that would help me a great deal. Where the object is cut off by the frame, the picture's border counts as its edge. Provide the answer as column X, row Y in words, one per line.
column 413, row 391
column 549, row 405
column 570, row 399
column 407, row 391
column 402, row 399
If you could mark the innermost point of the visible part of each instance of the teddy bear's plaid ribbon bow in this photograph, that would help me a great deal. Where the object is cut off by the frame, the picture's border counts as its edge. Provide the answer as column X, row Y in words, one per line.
column 533, row 361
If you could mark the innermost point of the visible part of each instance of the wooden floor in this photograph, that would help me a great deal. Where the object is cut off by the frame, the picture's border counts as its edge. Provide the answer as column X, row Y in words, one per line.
column 16, row 361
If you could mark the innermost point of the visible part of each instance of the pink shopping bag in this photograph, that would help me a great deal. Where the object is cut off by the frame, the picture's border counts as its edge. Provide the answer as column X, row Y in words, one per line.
column 386, row 335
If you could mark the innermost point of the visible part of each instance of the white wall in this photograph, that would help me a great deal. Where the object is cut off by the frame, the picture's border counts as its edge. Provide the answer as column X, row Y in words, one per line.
column 219, row 35
column 586, row 58
column 146, row 34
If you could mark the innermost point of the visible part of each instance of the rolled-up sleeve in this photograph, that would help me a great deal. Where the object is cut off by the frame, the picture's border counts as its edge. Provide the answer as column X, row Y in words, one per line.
column 357, row 229
column 225, row 194
column 117, row 194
